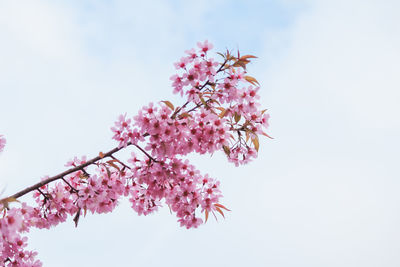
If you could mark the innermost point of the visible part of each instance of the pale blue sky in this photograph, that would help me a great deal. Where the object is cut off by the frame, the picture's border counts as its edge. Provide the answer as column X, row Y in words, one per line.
column 227, row 23
column 324, row 192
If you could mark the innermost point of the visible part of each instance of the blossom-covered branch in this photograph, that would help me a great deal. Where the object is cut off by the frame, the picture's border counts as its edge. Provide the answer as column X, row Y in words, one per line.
column 220, row 112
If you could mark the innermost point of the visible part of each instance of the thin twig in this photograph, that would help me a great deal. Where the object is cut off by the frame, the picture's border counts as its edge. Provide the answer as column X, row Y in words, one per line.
column 147, row 154
column 120, row 162
column 43, row 194
column 202, row 87
column 72, row 188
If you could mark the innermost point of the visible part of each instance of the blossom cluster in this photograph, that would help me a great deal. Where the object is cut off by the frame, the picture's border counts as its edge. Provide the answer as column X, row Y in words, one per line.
column 146, row 184
column 2, row 142
column 13, row 250
column 179, row 183
column 221, row 113
column 224, row 89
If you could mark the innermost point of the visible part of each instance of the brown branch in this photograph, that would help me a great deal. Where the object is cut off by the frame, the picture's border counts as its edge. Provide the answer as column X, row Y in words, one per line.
column 120, row 162
column 70, row 186
column 173, row 116
column 147, row 154
column 198, row 105
column 43, row 194
column 61, row 175
column 95, row 159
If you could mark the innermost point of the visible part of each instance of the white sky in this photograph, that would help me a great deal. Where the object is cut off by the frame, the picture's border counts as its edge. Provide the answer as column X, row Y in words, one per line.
column 324, row 192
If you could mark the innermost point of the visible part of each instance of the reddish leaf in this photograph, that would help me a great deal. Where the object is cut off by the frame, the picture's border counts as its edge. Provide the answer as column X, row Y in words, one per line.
column 247, row 57
column 247, row 136
column 240, row 63
column 222, row 55
column 256, row 143
column 207, row 93
column 108, row 171
column 76, row 217
column 184, row 115
column 111, row 163
column 206, row 212
column 222, row 206
column 83, row 175
column 6, row 201
column 266, row 135
column 203, row 101
column 214, row 101
column 227, row 150
column 169, row 104
column 246, row 123
column 11, row 199
column 237, row 117
column 251, row 80
column 223, row 112
column 220, row 211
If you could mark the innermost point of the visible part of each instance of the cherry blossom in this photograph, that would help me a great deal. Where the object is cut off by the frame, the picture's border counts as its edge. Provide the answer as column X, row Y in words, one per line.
column 2, row 142
column 205, row 46
column 221, row 113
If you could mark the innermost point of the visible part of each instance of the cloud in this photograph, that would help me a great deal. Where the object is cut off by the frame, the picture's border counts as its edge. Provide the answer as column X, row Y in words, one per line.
column 333, row 93
column 322, row 193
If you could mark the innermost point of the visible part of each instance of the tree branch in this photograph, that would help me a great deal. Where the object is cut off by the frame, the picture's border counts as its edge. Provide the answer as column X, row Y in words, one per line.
column 61, row 175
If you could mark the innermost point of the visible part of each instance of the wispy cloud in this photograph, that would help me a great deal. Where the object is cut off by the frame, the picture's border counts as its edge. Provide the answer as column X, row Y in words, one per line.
column 323, row 193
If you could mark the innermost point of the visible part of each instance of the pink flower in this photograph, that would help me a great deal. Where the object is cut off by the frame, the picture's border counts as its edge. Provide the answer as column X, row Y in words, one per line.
column 221, row 113
column 177, row 84
column 205, row 47
column 191, row 54
column 182, row 63
column 2, row 142
column 191, row 77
